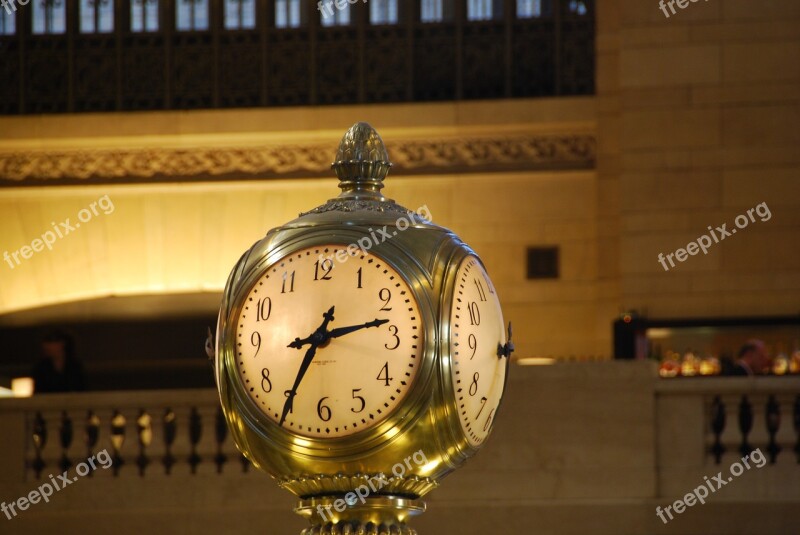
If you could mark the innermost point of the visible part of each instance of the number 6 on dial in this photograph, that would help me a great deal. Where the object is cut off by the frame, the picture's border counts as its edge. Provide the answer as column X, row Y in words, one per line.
column 328, row 348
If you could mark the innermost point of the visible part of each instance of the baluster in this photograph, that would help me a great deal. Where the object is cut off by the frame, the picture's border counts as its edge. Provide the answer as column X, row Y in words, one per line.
column 195, row 432
column 144, row 427
column 92, row 434
column 65, row 435
column 797, row 426
column 773, row 424
column 745, row 425
column 39, row 442
column 717, row 427
column 117, row 439
column 170, row 429
column 221, row 435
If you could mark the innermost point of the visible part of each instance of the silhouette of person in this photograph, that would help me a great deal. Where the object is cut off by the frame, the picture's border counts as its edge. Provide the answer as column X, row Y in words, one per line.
column 753, row 360
column 58, row 370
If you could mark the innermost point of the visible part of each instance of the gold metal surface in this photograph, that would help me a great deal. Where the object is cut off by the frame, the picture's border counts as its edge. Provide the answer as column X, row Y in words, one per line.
column 379, row 516
column 322, row 470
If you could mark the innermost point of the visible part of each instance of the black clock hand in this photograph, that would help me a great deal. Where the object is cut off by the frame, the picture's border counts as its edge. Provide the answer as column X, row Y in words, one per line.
column 298, row 344
column 341, row 331
column 287, row 406
column 508, row 348
column 320, row 336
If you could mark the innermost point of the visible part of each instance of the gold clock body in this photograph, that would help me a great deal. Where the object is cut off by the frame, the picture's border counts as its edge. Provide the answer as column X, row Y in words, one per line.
column 318, row 470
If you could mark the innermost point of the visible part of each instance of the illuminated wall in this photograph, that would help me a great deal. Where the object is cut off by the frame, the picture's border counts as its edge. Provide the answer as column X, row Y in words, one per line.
column 188, row 198
column 698, row 124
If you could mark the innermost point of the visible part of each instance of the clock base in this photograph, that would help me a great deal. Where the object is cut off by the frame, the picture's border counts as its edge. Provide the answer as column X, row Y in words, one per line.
column 378, row 515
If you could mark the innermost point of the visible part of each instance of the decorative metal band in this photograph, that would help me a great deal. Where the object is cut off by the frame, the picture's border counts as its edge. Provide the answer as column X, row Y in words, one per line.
column 474, row 154
column 384, row 515
column 358, row 528
column 355, row 206
column 341, row 484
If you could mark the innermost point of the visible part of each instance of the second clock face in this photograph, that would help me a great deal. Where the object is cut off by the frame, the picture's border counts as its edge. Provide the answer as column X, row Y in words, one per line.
column 327, row 348
column 476, row 333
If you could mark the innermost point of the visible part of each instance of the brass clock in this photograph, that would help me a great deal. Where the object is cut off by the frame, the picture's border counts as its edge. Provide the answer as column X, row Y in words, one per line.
column 355, row 341
column 477, row 339
column 361, row 354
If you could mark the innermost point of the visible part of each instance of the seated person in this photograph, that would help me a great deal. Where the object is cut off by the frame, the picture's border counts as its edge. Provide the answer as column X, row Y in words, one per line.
column 753, row 360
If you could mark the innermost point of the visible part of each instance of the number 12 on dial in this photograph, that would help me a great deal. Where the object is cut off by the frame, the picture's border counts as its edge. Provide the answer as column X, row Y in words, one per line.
column 326, row 348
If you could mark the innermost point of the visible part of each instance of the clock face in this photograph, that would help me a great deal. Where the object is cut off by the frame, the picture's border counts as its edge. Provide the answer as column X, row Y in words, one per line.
column 476, row 333
column 325, row 347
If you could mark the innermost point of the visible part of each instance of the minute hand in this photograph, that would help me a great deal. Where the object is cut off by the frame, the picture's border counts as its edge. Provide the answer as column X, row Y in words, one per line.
column 341, row 331
column 320, row 336
column 287, row 406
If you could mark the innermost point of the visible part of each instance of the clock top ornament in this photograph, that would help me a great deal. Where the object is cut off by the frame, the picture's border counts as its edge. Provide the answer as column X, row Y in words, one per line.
column 361, row 352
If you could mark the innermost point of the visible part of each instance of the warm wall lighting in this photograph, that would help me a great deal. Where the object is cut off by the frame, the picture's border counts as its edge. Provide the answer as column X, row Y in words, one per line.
column 535, row 361
column 22, row 387
column 660, row 334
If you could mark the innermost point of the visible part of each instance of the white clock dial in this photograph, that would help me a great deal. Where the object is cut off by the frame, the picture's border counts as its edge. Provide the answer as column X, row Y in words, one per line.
column 327, row 348
column 476, row 334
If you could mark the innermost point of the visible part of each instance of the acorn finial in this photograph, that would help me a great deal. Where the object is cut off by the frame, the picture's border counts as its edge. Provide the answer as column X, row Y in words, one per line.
column 361, row 162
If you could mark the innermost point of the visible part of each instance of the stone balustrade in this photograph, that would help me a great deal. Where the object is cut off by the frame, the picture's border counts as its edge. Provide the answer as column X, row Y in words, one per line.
column 592, row 448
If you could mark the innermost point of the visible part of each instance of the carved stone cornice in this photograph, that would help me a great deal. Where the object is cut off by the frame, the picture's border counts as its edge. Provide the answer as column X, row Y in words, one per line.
column 430, row 156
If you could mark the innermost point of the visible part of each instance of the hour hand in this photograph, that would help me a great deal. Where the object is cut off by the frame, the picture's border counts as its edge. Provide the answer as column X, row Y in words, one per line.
column 341, row 331
column 298, row 343
column 317, row 337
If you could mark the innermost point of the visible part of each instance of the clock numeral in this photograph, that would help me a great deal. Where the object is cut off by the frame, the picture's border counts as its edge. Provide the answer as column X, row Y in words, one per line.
column 388, row 297
column 291, row 282
column 327, row 267
column 288, row 393
column 263, row 309
column 474, row 314
column 362, row 400
column 255, row 339
column 473, row 387
column 265, row 377
column 323, row 411
column 481, row 292
column 489, row 420
column 473, row 344
column 384, row 375
column 359, row 278
column 483, row 404
column 396, row 338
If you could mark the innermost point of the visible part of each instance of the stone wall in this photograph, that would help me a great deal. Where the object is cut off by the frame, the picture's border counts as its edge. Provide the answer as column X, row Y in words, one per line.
column 698, row 122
